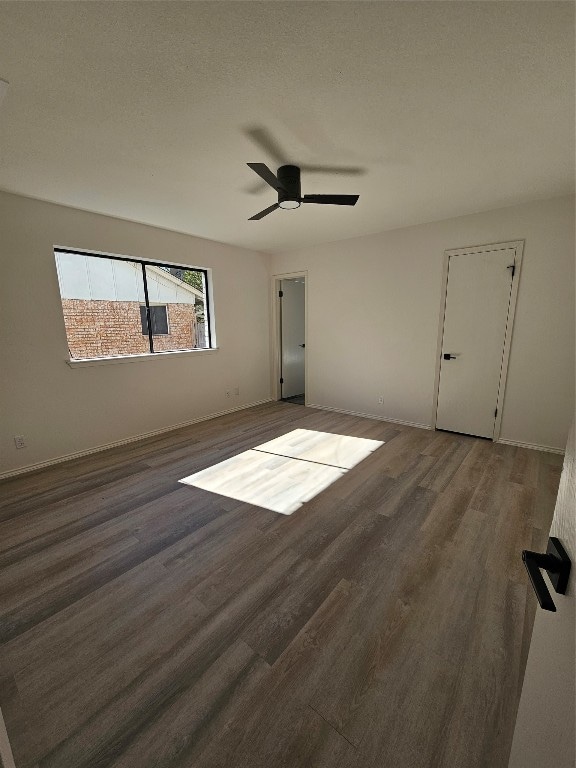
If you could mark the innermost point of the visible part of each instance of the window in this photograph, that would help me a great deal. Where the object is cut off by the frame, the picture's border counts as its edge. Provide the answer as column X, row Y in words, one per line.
column 108, row 301
column 158, row 320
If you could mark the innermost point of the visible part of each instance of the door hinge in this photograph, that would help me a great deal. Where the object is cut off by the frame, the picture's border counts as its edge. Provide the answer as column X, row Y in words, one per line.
column 513, row 268
column 280, row 294
column 281, row 380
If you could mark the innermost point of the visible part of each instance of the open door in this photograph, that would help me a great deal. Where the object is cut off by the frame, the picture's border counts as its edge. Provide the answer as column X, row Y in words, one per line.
column 545, row 734
column 292, row 317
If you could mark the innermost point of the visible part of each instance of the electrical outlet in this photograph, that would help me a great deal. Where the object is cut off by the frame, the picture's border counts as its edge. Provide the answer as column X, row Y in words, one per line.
column 227, row 393
column 381, row 400
column 19, row 441
column 236, row 391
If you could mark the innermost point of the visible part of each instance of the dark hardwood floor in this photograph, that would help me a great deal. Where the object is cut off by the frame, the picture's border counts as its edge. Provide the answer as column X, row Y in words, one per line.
column 146, row 624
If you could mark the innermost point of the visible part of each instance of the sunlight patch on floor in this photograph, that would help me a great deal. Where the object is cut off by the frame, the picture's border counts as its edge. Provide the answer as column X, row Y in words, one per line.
column 321, row 447
column 282, row 474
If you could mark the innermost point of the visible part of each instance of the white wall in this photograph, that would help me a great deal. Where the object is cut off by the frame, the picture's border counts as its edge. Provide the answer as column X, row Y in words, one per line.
column 61, row 410
column 389, row 284
column 373, row 316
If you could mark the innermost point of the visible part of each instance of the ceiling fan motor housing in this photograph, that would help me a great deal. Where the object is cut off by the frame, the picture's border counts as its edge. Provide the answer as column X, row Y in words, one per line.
column 289, row 179
column 286, row 182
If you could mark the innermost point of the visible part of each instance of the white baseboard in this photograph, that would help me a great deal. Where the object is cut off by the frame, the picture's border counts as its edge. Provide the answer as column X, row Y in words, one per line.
column 143, row 436
column 370, row 416
column 532, row 446
column 125, row 441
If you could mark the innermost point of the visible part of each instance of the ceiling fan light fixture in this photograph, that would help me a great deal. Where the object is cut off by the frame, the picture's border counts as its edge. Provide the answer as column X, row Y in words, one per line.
column 287, row 184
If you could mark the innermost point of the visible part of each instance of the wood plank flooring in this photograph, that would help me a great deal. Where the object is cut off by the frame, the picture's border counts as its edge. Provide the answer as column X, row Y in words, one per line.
column 145, row 624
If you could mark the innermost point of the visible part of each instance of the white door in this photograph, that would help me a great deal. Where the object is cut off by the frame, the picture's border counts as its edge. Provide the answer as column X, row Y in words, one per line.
column 293, row 325
column 477, row 304
column 545, row 734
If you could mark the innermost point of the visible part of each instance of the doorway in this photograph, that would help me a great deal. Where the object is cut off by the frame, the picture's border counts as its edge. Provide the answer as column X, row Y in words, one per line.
column 291, row 296
column 480, row 290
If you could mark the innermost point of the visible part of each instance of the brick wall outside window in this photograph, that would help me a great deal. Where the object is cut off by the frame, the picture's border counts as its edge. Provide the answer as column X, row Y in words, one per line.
column 104, row 328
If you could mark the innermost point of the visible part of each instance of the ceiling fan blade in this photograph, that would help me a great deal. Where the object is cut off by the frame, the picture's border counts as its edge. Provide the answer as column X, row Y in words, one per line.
column 331, row 199
column 336, row 170
column 265, row 173
column 263, row 213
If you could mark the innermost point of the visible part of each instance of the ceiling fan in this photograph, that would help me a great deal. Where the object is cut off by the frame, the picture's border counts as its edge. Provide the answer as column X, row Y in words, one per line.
column 287, row 184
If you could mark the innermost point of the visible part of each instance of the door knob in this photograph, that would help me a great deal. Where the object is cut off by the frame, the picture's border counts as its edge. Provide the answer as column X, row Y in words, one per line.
column 448, row 356
column 301, row 345
column 557, row 563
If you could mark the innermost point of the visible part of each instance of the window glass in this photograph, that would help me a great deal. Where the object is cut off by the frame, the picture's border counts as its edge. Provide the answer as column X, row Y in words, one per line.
column 183, row 294
column 106, row 301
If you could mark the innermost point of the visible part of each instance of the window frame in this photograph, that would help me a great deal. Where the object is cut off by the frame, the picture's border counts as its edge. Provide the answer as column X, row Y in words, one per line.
column 162, row 265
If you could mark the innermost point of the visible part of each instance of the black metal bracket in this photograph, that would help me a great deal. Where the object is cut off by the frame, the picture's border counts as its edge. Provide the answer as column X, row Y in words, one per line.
column 557, row 563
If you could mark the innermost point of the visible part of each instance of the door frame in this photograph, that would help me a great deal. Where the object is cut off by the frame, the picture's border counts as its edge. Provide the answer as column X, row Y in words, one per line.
column 276, row 329
column 6, row 756
column 518, row 246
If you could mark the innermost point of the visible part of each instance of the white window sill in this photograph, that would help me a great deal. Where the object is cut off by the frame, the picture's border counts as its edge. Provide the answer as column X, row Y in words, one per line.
column 92, row 361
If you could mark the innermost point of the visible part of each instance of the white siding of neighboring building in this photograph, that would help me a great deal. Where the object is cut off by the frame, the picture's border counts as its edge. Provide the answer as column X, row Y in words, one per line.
column 90, row 278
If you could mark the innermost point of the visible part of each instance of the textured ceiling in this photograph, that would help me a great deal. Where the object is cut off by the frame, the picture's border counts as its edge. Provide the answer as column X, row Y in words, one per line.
column 149, row 111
